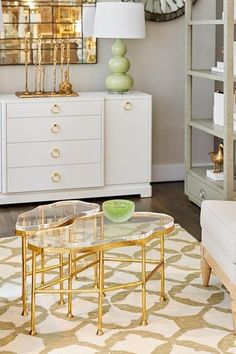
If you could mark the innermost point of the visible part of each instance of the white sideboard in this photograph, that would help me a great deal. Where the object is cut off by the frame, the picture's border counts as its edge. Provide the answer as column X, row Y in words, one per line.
column 94, row 145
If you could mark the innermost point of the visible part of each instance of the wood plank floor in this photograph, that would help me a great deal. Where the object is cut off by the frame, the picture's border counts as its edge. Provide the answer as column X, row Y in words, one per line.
column 167, row 198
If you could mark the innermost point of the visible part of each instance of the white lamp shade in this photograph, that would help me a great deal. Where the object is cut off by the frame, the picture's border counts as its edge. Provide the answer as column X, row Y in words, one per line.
column 119, row 20
column 88, row 20
column 1, row 18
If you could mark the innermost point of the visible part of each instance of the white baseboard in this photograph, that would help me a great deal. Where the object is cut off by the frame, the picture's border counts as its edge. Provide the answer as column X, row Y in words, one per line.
column 166, row 173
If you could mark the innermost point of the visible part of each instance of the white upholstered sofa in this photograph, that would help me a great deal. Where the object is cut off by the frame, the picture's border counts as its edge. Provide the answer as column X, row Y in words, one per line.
column 218, row 248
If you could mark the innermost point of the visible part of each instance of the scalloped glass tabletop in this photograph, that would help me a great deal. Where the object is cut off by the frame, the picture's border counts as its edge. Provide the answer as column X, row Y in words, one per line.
column 97, row 231
column 53, row 215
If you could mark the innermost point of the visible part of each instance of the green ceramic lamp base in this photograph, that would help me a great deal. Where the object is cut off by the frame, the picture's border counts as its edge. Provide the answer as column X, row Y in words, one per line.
column 119, row 81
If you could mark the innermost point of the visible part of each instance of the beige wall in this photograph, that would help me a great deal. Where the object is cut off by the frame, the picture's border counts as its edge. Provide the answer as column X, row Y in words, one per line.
column 158, row 68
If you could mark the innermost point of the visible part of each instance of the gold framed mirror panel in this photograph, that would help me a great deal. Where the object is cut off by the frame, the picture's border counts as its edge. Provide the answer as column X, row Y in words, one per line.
column 60, row 20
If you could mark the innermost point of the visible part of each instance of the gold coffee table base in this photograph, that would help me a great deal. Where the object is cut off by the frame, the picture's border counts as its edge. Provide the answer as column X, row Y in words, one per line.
column 97, row 259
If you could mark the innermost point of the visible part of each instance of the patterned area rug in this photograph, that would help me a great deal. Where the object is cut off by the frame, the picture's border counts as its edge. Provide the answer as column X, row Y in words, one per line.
column 193, row 319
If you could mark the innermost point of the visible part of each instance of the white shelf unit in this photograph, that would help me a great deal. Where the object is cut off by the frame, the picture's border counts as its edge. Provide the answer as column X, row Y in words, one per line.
column 197, row 186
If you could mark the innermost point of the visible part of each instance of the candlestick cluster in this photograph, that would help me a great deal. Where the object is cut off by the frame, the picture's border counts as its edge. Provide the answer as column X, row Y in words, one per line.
column 60, row 49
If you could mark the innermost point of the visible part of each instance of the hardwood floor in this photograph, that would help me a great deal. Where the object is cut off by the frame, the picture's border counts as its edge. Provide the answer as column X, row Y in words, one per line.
column 167, row 198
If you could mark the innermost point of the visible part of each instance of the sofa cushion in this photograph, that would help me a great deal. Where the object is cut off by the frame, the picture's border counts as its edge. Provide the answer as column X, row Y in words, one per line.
column 218, row 218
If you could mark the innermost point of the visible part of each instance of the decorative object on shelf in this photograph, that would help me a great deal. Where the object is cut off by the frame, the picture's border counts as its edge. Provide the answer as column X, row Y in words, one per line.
column 217, row 157
column 65, row 87
column 219, row 68
column 118, row 210
column 163, row 10
column 218, row 110
column 119, row 20
column 48, row 19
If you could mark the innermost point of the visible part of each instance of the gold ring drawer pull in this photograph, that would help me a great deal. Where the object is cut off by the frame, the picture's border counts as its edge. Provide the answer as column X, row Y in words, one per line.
column 55, row 153
column 55, row 129
column 128, row 106
column 56, row 177
column 55, row 109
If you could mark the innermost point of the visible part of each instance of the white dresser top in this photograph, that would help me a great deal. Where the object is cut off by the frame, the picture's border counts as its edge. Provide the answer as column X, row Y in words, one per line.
column 82, row 96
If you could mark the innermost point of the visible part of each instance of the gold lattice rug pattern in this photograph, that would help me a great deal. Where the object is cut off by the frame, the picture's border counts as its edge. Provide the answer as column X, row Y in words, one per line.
column 194, row 319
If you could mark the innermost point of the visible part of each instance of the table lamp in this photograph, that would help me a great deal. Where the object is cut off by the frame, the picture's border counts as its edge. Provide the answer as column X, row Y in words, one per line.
column 119, row 20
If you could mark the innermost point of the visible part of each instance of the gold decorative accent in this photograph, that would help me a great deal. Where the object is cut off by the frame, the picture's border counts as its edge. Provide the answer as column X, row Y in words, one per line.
column 27, row 48
column 56, row 128
column 22, row 94
column 54, row 46
column 128, row 106
column 55, row 153
column 218, row 158
column 65, row 87
column 56, row 177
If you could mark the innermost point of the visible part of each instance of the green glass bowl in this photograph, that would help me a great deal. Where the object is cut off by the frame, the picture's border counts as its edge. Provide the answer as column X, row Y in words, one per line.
column 118, row 210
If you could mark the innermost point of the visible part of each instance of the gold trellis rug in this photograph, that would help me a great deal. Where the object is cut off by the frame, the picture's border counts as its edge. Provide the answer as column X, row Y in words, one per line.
column 194, row 319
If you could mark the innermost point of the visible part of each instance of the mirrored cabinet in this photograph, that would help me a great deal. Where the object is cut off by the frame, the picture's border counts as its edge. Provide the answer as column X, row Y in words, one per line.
column 60, row 20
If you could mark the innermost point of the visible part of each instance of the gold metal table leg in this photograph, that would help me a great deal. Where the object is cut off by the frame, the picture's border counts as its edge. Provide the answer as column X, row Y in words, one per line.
column 144, row 310
column 61, row 301
column 42, row 266
column 162, row 260
column 95, row 257
column 33, row 286
column 24, row 282
column 69, row 314
column 74, row 266
column 101, row 292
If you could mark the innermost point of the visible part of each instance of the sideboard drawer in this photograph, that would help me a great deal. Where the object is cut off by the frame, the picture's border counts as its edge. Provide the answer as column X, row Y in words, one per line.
column 54, row 128
column 53, row 177
column 200, row 191
column 53, row 153
column 52, row 109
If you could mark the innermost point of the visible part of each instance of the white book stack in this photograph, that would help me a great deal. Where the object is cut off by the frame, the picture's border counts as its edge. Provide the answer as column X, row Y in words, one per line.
column 218, row 110
column 219, row 68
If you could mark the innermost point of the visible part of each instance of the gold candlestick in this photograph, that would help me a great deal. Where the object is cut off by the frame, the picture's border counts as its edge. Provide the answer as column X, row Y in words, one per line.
column 40, row 62
column 43, row 74
column 68, row 58
column 27, row 47
column 62, row 60
column 54, row 46
column 35, row 78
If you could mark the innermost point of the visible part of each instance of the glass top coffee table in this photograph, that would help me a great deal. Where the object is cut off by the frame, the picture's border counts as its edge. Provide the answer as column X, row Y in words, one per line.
column 43, row 217
column 92, row 236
